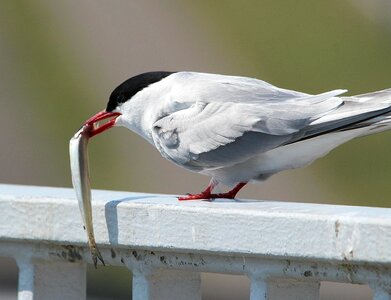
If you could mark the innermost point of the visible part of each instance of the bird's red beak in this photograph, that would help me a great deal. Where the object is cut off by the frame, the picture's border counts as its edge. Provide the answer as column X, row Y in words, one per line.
column 96, row 128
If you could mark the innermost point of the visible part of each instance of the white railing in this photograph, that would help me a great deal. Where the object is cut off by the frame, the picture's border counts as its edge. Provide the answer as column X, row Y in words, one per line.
column 285, row 249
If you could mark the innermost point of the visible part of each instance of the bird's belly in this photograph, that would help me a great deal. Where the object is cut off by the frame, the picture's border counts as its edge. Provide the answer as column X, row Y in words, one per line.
column 291, row 156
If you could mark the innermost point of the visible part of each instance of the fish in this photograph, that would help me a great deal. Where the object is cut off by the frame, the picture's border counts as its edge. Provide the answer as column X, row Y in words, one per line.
column 82, row 185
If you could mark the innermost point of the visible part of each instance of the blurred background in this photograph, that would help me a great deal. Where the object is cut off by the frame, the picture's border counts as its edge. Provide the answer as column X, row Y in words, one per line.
column 60, row 60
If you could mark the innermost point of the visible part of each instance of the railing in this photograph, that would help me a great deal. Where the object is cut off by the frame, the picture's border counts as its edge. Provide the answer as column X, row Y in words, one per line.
column 285, row 249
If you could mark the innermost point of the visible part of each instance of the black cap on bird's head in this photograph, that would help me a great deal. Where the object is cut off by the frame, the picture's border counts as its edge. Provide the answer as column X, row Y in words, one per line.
column 132, row 86
column 121, row 94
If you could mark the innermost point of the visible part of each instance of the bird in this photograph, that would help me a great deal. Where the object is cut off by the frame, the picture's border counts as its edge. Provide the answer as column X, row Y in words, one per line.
column 238, row 129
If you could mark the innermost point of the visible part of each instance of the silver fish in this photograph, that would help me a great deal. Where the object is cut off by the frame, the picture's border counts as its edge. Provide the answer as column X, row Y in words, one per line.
column 81, row 183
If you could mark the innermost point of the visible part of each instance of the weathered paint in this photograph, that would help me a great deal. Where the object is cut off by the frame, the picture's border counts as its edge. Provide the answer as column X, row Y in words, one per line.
column 284, row 248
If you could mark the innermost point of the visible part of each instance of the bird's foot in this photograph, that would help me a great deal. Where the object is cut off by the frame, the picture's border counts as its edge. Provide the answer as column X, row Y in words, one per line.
column 204, row 196
column 228, row 195
column 207, row 195
column 201, row 196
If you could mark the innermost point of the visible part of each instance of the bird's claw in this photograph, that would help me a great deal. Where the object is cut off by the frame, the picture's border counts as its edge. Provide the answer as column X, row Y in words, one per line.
column 201, row 196
column 207, row 195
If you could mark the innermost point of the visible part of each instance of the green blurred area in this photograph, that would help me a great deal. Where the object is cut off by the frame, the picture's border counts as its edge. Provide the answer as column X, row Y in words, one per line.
column 60, row 61
column 46, row 90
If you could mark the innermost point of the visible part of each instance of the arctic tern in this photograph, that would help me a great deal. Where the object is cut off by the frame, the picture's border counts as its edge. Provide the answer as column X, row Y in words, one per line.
column 238, row 129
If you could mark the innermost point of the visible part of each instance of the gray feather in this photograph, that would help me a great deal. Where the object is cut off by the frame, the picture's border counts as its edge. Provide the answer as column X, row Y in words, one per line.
column 195, row 136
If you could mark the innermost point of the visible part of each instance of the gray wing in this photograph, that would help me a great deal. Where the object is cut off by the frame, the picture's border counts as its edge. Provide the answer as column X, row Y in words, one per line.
column 215, row 132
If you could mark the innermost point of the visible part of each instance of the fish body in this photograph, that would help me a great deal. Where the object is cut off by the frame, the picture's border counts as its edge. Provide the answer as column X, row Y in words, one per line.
column 81, row 184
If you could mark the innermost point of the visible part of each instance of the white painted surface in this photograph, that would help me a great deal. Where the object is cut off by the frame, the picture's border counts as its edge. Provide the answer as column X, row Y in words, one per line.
column 48, row 280
column 276, row 289
column 163, row 284
column 285, row 249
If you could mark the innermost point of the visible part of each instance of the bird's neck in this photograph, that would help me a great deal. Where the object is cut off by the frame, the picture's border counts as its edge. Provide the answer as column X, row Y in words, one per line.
column 139, row 115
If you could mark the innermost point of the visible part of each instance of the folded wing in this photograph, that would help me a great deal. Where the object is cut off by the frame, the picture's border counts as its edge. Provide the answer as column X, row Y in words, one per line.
column 216, row 131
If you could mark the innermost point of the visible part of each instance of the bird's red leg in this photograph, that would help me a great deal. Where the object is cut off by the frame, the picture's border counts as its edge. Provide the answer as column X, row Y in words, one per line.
column 232, row 193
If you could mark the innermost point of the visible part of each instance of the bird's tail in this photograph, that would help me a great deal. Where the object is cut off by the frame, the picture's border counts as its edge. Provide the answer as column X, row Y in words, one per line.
column 358, row 116
column 378, row 115
column 383, row 96
column 372, row 110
